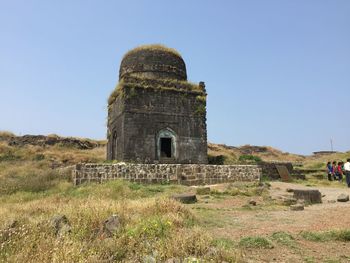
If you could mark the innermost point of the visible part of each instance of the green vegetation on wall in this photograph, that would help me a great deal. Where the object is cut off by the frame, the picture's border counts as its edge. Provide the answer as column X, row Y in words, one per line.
column 159, row 85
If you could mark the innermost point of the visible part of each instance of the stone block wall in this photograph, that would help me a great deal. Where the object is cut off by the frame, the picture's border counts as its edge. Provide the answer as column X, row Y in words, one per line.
column 138, row 117
column 187, row 174
column 269, row 169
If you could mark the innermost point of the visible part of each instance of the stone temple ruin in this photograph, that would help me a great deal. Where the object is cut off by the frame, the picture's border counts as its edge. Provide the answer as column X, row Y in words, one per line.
column 157, row 126
column 155, row 115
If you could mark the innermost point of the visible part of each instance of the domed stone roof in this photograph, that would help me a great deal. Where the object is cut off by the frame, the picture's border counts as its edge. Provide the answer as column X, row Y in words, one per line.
column 153, row 61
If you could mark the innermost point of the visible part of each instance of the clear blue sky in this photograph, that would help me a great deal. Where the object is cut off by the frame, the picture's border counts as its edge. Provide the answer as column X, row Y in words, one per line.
column 277, row 72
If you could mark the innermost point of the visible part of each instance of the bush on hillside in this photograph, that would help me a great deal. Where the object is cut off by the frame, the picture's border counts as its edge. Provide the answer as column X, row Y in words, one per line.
column 247, row 158
column 218, row 160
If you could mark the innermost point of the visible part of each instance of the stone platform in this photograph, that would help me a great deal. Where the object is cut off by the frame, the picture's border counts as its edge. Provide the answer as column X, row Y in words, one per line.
column 186, row 174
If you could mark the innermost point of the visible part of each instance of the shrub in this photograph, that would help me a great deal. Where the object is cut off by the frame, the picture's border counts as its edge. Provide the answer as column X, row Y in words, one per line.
column 247, row 158
column 255, row 242
column 29, row 181
column 338, row 235
column 217, row 160
column 9, row 156
column 283, row 238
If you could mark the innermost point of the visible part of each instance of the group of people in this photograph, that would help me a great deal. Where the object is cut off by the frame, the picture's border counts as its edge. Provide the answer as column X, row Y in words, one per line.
column 336, row 171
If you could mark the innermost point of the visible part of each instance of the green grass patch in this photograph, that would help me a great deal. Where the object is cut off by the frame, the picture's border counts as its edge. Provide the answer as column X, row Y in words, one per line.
column 283, row 238
column 248, row 158
column 224, row 243
column 334, row 235
column 255, row 242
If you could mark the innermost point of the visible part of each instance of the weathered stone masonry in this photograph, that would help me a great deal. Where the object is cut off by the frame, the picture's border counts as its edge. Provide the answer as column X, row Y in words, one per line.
column 155, row 115
column 187, row 174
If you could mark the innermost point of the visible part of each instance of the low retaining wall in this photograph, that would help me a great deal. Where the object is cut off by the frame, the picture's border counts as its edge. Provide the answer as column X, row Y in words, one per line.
column 187, row 174
column 269, row 169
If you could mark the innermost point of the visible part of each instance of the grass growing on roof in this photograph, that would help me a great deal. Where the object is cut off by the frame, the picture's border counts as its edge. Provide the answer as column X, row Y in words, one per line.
column 157, row 85
column 153, row 47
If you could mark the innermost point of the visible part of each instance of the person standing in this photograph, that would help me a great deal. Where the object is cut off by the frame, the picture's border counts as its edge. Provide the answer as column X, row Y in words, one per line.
column 339, row 172
column 329, row 171
column 347, row 171
column 334, row 169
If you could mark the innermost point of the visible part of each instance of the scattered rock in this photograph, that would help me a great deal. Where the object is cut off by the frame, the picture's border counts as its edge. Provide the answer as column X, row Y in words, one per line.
column 60, row 225
column 109, row 227
column 343, row 198
column 12, row 224
column 289, row 190
column 173, row 260
column 301, row 201
column 9, row 229
column 149, row 259
column 297, row 207
column 191, row 260
column 203, row 190
column 42, row 140
column 259, row 190
column 252, row 202
column 309, row 196
column 264, row 185
column 185, row 198
column 289, row 201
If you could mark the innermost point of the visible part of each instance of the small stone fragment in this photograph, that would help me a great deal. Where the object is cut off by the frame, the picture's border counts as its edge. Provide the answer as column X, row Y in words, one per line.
column 149, row 259
column 252, row 202
column 343, row 198
column 60, row 225
column 185, row 198
column 13, row 224
column 309, row 196
column 289, row 201
column 173, row 260
column 301, row 201
column 109, row 226
column 297, row 207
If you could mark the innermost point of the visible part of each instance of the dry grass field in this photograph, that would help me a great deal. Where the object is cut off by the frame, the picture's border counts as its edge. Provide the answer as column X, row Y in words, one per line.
column 223, row 226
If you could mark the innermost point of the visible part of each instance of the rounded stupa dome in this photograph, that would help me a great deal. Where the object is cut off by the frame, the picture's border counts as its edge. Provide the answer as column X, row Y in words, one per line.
column 153, row 61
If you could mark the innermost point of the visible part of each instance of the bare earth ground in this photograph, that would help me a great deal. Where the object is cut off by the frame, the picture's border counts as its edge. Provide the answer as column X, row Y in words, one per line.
column 231, row 218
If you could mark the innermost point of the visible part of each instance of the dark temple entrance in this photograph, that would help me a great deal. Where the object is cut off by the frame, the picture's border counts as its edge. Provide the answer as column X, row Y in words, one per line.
column 165, row 147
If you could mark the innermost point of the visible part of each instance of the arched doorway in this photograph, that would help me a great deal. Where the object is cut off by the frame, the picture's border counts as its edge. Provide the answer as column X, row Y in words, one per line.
column 166, row 144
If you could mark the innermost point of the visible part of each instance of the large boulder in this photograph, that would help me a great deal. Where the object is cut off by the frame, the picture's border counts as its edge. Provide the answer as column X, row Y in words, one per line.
column 343, row 198
column 60, row 225
column 309, row 196
column 109, row 226
column 288, row 200
column 185, row 198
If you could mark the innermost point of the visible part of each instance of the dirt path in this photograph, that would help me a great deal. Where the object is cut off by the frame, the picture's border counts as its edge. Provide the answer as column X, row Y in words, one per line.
column 318, row 217
column 231, row 218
